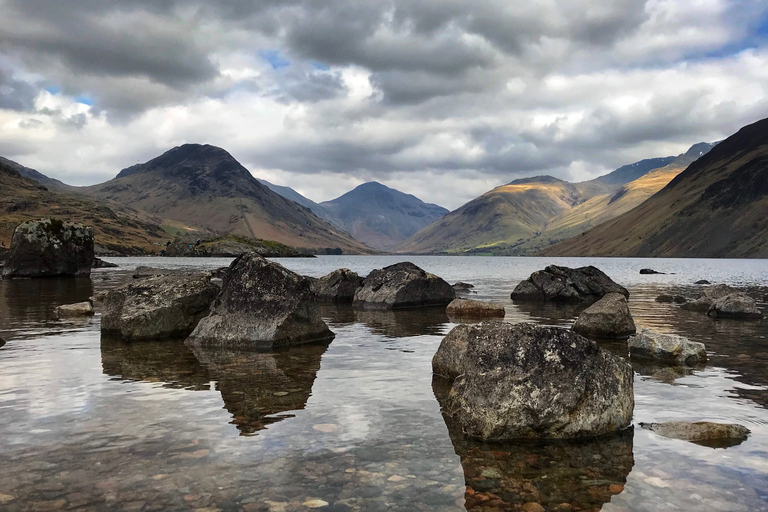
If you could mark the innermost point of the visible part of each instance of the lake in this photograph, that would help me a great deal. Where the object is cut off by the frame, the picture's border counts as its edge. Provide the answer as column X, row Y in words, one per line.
column 94, row 423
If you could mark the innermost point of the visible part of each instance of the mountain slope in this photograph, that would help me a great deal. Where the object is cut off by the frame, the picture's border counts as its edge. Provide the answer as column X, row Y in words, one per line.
column 117, row 229
column 203, row 187
column 715, row 208
column 381, row 216
column 39, row 177
column 320, row 211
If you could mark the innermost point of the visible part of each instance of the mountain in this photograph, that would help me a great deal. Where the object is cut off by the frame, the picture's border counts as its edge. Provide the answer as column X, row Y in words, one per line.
column 320, row 211
column 203, row 188
column 381, row 216
column 39, row 177
column 117, row 229
column 631, row 172
column 714, row 208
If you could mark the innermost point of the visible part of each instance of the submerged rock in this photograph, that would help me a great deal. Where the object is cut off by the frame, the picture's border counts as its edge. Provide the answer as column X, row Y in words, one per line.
column 529, row 381
column 161, row 306
column 608, row 318
column 466, row 308
column 403, row 285
column 737, row 305
column 666, row 348
column 708, row 297
column 647, row 271
column 73, row 310
column 262, row 306
column 563, row 284
column 715, row 435
column 339, row 286
column 50, row 248
column 677, row 299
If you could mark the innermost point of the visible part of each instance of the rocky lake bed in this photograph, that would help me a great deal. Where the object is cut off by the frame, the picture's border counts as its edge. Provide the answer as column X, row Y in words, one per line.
column 358, row 422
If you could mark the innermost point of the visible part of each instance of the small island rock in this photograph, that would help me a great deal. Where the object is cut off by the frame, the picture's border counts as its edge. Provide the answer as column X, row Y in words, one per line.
column 467, row 308
column 262, row 306
column 74, row 310
column 157, row 307
column 648, row 271
column 339, row 286
column 529, row 381
column 563, row 284
column 403, row 285
column 608, row 318
column 50, row 248
column 666, row 348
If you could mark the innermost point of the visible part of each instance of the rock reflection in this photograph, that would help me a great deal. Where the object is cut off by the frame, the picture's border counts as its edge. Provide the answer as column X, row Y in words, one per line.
column 667, row 374
column 548, row 476
column 167, row 362
column 260, row 388
column 26, row 302
column 545, row 313
column 405, row 322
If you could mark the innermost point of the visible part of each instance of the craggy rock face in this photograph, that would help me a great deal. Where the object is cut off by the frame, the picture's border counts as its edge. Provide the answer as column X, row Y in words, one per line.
column 339, row 286
column 50, row 248
column 262, row 306
column 563, row 284
column 403, row 285
column 162, row 306
column 737, row 305
column 608, row 318
column 666, row 348
column 466, row 308
column 528, row 381
column 715, row 435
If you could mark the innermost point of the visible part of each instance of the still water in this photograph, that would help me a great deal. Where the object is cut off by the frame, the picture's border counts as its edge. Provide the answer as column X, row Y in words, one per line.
column 93, row 423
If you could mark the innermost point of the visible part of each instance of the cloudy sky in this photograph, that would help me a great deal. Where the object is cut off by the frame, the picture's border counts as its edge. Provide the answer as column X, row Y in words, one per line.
column 444, row 100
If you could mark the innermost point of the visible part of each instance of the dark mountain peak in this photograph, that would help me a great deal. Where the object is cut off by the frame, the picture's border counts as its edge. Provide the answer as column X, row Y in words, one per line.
column 191, row 159
column 631, row 172
column 537, row 179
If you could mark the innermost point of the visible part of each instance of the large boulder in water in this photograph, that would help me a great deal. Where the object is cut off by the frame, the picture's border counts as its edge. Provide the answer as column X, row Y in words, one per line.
column 158, row 307
column 262, row 306
column 50, row 248
column 339, row 286
column 403, row 285
column 529, row 381
column 666, row 348
column 563, row 284
column 736, row 305
column 708, row 297
column 608, row 318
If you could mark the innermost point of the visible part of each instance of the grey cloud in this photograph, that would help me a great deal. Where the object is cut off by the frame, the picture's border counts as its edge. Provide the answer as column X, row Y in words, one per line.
column 16, row 94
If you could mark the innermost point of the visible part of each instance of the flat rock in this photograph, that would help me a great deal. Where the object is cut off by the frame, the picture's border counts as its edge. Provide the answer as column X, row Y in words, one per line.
column 564, row 284
column 703, row 432
column 608, row 318
column 466, row 308
column 262, row 306
column 737, row 305
column 339, row 286
column 403, row 285
column 157, row 307
column 50, row 248
column 529, row 381
column 666, row 348
column 74, row 310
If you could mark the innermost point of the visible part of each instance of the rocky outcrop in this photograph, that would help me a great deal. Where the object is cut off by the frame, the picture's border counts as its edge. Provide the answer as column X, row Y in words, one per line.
column 228, row 246
column 50, row 248
column 563, row 284
column 529, row 381
column 466, row 308
column 708, row 296
column 736, row 305
column 666, row 348
column 403, row 285
column 74, row 310
column 677, row 299
column 716, row 435
column 339, row 286
column 608, row 318
column 159, row 306
column 262, row 306
column 649, row 271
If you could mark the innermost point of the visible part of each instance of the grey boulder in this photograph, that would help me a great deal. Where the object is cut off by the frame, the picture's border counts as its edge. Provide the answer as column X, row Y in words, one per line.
column 262, row 306
column 736, row 305
column 564, row 284
column 339, row 286
column 74, row 310
column 708, row 297
column 716, row 435
column 448, row 361
column 161, row 306
column 529, row 381
column 608, row 318
column 50, row 248
column 666, row 348
column 403, row 285
column 466, row 308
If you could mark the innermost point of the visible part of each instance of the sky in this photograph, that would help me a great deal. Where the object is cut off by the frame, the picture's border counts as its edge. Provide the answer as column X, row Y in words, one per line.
column 444, row 100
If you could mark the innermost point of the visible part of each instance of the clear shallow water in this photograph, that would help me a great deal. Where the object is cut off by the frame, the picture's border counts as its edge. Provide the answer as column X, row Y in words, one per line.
column 93, row 423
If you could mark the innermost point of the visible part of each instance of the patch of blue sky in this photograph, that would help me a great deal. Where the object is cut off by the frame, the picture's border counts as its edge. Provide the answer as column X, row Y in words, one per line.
column 757, row 38
column 319, row 65
column 54, row 89
column 274, row 58
column 85, row 100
